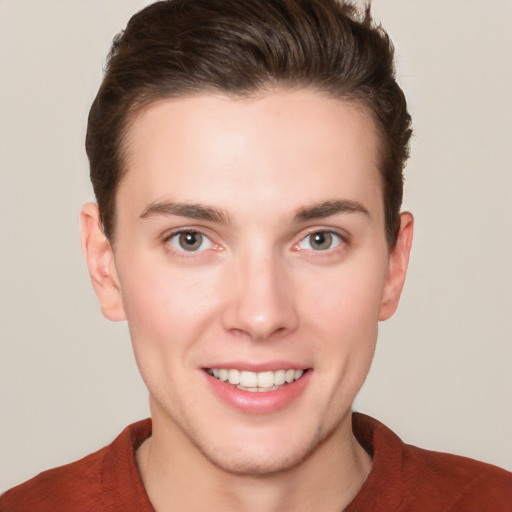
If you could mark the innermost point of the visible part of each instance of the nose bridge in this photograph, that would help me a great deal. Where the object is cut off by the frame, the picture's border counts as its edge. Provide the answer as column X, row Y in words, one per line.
column 261, row 303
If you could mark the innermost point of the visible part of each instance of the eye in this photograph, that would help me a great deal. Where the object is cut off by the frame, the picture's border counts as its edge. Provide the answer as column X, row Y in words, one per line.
column 320, row 241
column 190, row 241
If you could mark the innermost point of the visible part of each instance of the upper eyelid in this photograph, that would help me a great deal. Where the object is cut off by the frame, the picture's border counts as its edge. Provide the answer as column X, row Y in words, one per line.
column 330, row 231
column 170, row 233
column 335, row 231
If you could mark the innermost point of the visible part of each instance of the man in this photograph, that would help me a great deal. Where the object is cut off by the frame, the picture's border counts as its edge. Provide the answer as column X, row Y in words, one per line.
column 247, row 162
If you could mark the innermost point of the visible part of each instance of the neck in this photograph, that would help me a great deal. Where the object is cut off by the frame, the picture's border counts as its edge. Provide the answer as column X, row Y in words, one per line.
column 177, row 476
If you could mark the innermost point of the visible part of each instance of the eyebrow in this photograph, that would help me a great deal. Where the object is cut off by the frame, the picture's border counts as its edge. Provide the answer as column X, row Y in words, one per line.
column 190, row 210
column 328, row 208
column 202, row 212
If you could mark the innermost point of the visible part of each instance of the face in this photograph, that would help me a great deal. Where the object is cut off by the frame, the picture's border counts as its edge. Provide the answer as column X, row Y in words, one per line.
column 252, row 266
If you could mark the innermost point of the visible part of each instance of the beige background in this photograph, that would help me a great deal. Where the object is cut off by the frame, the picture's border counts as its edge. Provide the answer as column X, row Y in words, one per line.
column 442, row 374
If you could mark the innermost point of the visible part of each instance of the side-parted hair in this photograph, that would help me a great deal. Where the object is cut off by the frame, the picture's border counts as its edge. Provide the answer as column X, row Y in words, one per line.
column 176, row 48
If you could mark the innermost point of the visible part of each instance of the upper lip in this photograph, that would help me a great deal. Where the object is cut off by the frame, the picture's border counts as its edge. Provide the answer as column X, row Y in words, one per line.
column 258, row 367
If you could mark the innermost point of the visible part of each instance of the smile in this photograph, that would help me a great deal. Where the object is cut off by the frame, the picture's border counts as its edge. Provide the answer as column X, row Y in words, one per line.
column 255, row 381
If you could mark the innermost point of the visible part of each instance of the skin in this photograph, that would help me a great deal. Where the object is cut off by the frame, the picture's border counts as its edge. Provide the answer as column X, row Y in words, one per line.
column 257, row 291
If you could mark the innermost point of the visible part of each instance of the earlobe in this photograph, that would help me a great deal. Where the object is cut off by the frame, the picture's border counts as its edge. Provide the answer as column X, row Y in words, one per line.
column 100, row 262
column 397, row 267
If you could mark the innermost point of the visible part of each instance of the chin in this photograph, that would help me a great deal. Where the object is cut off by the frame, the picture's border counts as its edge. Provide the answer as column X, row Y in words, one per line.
column 255, row 464
column 260, row 458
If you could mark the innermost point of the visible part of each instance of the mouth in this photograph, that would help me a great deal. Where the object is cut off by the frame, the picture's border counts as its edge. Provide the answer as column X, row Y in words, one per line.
column 256, row 382
column 276, row 386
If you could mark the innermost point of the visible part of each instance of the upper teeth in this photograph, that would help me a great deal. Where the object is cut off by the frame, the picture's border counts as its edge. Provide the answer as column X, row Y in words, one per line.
column 256, row 379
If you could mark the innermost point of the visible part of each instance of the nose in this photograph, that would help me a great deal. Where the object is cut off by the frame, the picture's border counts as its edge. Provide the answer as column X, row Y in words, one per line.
column 261, row 300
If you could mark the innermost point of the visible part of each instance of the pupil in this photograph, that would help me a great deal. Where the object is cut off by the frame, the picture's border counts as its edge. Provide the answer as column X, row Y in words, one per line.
column 190, row 241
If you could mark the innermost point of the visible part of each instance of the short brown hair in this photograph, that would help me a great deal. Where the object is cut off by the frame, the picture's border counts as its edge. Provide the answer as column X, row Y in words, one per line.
column 175, row 48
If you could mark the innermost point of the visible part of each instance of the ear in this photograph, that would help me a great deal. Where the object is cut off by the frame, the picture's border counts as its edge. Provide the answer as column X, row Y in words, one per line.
column 101, row 264
column 397, row 267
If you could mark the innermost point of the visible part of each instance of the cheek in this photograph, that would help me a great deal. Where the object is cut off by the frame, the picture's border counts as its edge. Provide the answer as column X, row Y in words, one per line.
column 344, row 322
column 347, row 296
column 167, row 305
column 343, row 316
column 169, row 311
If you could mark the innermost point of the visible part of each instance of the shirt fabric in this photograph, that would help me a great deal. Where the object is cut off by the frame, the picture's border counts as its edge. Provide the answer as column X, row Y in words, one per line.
column 403, row 478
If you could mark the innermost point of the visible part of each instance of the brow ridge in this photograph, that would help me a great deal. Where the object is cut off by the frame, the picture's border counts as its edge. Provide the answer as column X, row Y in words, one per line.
column 190, row 210
column 329, row 208
column 201, row 212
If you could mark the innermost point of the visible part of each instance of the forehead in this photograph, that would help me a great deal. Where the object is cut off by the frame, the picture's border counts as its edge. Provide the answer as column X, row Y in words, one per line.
column 285, row 148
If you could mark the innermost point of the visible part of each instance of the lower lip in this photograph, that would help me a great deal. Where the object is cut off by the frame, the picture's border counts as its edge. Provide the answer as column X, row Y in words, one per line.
column 258, row 402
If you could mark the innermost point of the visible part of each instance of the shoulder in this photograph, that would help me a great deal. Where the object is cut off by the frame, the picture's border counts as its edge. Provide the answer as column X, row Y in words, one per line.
column 412, row 478
column 95, row 482
column 71, row 487
column 463, row 484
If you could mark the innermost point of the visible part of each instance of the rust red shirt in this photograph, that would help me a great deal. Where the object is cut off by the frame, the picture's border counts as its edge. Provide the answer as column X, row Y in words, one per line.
column 403, row 478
